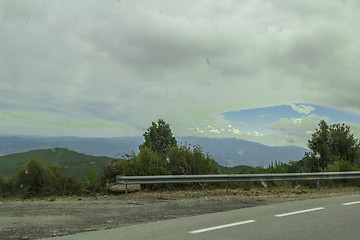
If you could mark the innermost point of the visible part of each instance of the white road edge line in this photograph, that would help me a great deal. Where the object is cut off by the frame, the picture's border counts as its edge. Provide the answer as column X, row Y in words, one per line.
column 350, row 203
column 221, row 226
column 297, row 212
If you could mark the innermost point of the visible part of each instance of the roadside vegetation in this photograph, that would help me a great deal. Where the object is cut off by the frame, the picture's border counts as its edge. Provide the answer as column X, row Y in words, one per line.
column 332, row 148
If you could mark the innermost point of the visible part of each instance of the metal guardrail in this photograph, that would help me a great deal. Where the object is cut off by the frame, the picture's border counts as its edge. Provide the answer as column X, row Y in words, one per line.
column 126, row 180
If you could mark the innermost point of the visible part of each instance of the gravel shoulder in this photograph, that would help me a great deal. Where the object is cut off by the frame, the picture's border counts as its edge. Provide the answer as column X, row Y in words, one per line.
column 35, row 219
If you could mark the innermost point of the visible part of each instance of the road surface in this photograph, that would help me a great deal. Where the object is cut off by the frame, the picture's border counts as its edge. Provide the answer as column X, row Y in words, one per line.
column 326, row 218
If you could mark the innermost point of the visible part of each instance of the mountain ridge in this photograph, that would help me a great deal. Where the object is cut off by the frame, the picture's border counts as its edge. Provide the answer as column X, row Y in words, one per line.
column 227, row 152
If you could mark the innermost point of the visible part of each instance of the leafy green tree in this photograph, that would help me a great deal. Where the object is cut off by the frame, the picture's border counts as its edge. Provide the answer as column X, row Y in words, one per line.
column 56, row 183
column 159, row 138
column 32, row 178
column 329, row 144
column 59, row 183
column 160, row 155
column 343, row 144
column 319, row 145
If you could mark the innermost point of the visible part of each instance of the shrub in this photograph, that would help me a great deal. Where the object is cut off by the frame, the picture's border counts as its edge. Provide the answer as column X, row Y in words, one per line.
column 150, row 163
column 116, row 167
column 36, row 179
column 186, row 161
column 5, row 187
column 92, row 183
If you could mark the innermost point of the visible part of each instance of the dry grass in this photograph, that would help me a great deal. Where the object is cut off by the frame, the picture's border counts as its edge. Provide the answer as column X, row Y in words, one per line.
column 272, row 194
column 277, row 193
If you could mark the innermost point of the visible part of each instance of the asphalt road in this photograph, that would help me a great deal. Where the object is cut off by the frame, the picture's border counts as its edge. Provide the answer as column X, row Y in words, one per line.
column 327, row 218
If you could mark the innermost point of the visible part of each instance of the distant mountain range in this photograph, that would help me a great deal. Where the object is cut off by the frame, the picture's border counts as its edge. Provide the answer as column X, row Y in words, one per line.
column 226, row 151
column 231, row 152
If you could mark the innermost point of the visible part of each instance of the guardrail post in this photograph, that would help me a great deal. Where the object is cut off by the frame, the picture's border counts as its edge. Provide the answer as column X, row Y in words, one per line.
column 318, row 185
column 227, row 187
column 126, row 190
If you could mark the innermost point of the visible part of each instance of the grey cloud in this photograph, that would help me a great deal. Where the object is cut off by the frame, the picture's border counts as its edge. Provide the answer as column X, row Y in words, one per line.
column 141, row 60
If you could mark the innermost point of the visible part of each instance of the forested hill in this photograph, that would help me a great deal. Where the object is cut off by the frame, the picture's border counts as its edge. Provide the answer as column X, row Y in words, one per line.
column 75, row 164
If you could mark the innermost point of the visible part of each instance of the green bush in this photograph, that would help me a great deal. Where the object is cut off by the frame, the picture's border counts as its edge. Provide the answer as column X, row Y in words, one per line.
column 340, row 165
column 92, row 183
column 186, row 161
column 116, row 167
column 36, row 179
column 5, row 186
column 149, row 162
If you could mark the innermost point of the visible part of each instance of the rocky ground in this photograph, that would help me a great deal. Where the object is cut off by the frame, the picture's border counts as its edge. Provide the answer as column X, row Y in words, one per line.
column 35, row 219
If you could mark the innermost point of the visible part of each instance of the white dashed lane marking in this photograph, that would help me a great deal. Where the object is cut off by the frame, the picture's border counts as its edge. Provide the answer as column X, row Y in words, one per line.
column 350, row 203
column 298, row 212
column 222, row 226
column 252, row 221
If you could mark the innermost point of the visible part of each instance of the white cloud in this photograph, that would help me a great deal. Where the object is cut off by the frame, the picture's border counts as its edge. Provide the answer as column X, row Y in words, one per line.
column 254, row 134
column 235, row 131
column 302, row 109
column 228, row 132
column 295, row 131
column 196, row 131
column 217, row 131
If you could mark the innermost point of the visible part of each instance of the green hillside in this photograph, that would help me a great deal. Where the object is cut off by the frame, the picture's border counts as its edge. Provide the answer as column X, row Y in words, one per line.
column 236, row 169
column 75, row 164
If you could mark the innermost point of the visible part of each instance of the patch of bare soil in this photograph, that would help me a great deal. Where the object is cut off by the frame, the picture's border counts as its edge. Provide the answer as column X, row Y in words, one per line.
column 56, row 217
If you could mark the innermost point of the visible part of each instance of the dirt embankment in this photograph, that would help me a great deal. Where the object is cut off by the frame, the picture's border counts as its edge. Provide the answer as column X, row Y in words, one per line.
column 55, row 217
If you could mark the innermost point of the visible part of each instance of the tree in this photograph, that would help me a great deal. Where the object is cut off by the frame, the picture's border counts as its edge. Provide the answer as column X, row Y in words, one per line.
column 32, row 177
column 319, row 145
column 343, row 144
column 159, row 138
column 59, row 183
column 330, row 144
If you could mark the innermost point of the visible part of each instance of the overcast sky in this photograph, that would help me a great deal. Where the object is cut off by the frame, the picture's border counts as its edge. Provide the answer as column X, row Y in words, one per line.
column 262, row 70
